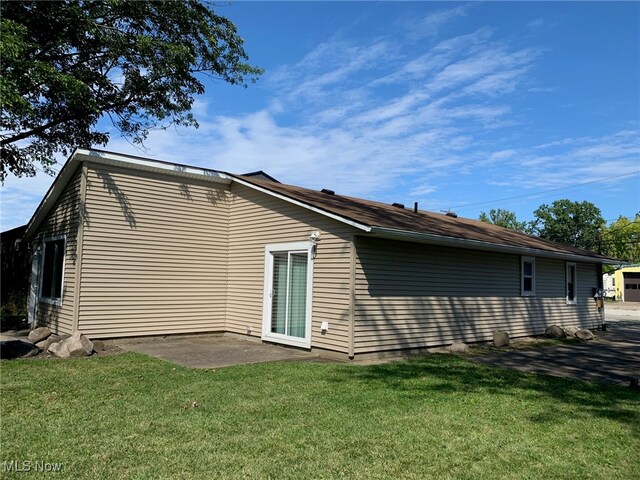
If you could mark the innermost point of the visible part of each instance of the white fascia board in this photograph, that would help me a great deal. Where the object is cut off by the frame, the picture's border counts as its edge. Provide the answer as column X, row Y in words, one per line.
column 357, row 225
column 146, row 164
column 54, row 192
column 393, row 234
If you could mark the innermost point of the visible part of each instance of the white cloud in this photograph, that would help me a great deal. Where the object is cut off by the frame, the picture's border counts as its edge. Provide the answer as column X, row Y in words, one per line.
column 572, row 161
column 492, row 70
column 19, row 198
column 536, row 24
column 358, row 117
column 431, row 24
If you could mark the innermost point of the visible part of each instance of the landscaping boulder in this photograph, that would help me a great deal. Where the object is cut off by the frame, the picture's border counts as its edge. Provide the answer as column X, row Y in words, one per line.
column 459, row 347
column 13, row 347
column 584, row 334
column 571, row 331
column 554, row 331
column 45, row 344
column 39, row 334
column 59, row 349
column 77, row 345
column 501, row 339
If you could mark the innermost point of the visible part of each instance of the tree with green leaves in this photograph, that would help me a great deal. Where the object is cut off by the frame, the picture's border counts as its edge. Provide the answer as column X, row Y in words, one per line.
column 503, row 218
column 622, row 239
column 65, row 65
column 577, row 224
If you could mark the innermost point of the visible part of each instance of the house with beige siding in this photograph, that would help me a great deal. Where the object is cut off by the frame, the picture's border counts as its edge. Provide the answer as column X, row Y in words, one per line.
column 127, row 247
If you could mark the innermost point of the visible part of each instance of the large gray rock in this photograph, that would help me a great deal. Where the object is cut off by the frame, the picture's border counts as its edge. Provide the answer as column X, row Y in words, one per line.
column 77, row 345
column 39, row 334
column 554, row 331
column 59, row 349
column 501, row 339
column 571, row 331
column 45, row 344
column 13, row 347
column 584, row 334
column 459, row 347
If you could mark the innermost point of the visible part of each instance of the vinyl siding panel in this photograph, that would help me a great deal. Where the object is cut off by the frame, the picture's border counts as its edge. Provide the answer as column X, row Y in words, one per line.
column 258, row 219
column 62, row 220
column 412, row 295
column 154, row 258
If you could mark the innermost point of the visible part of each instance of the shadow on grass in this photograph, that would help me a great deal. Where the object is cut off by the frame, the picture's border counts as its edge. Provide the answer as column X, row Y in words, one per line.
column 447, row 374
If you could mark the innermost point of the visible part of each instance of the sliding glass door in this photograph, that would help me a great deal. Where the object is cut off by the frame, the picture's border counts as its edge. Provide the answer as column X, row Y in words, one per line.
column 287, row 314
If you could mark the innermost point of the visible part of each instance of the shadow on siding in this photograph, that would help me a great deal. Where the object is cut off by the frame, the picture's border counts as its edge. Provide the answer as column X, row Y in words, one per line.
column 215, row 196
column 112, row 187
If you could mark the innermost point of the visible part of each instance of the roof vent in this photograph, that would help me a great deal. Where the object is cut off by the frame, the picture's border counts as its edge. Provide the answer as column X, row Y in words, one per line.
column 397, row 205
column 451, row 214
column 327, row 191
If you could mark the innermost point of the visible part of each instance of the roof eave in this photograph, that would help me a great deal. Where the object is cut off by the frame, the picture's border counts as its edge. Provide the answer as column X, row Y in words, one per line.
column 432, row 239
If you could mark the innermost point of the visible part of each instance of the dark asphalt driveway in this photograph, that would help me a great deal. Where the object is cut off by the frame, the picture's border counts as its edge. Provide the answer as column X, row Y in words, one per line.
column 613, row 357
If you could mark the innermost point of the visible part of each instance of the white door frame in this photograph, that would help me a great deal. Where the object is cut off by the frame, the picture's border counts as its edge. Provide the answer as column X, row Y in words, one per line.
column 268, row 294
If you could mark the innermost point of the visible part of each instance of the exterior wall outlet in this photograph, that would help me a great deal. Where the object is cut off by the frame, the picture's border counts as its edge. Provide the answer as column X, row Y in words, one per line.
column 324, row 327
column 249, row 329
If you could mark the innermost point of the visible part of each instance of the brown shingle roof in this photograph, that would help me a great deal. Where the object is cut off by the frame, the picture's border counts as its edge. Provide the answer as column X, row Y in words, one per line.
column 380, row 215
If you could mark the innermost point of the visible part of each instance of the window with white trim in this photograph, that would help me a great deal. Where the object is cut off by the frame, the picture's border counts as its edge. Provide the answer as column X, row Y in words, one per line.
column 527, row 276
column 52, row 269
column 572, row 287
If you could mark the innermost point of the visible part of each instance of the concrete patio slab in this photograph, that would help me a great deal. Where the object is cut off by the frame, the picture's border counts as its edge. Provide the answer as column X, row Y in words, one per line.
column 613, row 357
column 207, row 351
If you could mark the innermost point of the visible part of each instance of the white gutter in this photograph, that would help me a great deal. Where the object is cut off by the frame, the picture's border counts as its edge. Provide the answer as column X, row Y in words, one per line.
column 357, row 225
column 130, row 161
column 391, row 233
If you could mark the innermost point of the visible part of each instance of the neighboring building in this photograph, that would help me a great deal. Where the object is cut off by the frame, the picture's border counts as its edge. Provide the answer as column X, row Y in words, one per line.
column 627, row 283
column 609, row 285
column 127, row 246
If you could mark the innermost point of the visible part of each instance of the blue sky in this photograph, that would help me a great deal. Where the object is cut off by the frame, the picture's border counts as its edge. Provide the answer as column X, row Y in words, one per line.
column 460, row 106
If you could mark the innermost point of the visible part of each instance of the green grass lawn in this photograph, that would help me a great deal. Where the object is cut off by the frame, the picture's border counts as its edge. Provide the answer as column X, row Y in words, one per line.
column 131, row 416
